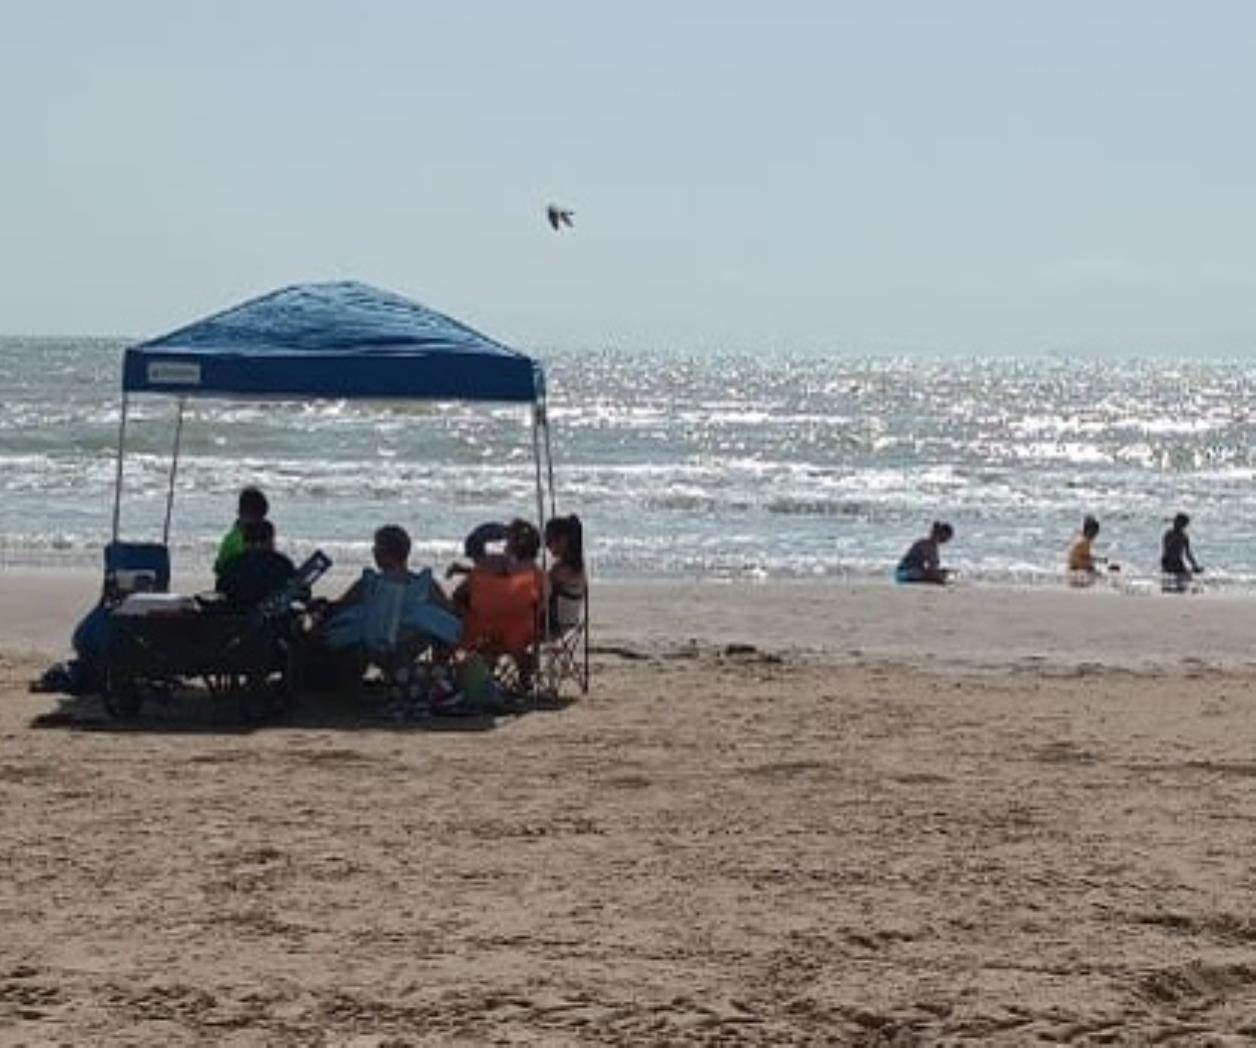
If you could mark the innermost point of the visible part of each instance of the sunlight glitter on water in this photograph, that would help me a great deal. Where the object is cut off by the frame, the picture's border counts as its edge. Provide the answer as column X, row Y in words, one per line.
column 729, row 465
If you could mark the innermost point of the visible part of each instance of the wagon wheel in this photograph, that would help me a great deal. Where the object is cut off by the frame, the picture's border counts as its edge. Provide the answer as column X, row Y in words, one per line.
column 122, row 696
column 290, row 685
column 260, row 698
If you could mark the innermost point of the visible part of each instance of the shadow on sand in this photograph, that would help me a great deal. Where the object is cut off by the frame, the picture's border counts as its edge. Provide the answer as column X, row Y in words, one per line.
column 197, row 711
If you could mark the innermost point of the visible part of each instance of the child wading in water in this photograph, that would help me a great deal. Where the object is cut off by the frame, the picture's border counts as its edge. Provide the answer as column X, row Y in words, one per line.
column 1082, row 562
column 1175, row 555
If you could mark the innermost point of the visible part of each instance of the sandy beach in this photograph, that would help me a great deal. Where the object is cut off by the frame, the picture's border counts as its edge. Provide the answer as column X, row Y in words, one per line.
column 883, row 816
column 735, row 313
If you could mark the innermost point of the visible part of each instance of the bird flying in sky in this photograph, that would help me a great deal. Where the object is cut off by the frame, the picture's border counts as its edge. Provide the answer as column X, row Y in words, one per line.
column 559, row 216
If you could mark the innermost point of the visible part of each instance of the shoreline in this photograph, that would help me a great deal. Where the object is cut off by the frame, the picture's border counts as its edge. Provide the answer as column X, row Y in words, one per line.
column 965, row 627
column 1131, row 583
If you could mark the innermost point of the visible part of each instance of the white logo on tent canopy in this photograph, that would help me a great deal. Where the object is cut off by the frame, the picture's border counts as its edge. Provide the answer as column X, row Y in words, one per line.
column 173, row 373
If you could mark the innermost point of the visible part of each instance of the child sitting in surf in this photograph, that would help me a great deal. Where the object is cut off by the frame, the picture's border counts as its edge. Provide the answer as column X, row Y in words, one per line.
column 921, row 562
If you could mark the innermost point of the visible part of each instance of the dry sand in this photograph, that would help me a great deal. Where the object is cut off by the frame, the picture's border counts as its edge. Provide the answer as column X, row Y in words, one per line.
column 908, row 817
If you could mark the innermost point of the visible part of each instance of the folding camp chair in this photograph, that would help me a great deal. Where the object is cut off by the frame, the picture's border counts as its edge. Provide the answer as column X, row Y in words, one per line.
column 564, row 655
column 533, row 662
column 502, row 625
column 398, row 628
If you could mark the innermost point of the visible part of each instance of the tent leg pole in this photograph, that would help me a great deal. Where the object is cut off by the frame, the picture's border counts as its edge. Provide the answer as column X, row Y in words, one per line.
column 117, row 481
column 540, row 510
column 549, row 463
column 174, row 469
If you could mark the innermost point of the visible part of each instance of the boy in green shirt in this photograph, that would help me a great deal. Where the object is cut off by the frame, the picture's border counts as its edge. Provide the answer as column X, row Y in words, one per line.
column 252, row 507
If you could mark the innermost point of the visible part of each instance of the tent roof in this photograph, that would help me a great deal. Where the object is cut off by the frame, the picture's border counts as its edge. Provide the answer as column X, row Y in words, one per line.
column 340, row 339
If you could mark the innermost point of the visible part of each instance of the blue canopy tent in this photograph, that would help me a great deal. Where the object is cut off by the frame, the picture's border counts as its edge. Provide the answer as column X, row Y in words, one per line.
column 332, row 340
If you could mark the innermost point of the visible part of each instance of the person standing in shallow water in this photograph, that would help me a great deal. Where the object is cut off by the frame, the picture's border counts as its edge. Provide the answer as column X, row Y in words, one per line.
column 1176, row 555
column 921, row 562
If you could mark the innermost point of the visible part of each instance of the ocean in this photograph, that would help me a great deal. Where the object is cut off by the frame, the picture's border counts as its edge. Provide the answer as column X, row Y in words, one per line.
column 711, row 466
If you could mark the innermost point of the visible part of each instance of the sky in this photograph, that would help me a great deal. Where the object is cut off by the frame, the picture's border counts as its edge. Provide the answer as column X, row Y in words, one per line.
column 990, row 176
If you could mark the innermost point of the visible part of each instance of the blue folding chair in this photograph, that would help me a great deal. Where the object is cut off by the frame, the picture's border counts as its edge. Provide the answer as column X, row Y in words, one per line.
column 397, row 627
column 135, row 567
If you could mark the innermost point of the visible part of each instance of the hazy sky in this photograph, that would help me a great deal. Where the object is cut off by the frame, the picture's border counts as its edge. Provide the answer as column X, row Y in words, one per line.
column 993, row 175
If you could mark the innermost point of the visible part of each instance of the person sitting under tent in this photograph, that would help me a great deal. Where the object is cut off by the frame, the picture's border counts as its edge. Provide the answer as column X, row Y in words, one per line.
column 251, row 507
column 566, row 581
column 501, row 596
column 390, row 603
column 257, row 571
column 518, row 534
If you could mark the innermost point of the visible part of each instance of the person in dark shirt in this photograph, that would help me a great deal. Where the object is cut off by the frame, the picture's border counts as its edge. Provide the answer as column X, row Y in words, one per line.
column 1176, row 554
column 921, row 562
column 252, row 576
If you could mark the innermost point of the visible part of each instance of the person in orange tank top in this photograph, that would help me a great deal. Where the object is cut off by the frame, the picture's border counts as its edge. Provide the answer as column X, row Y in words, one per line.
column 502, row 594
